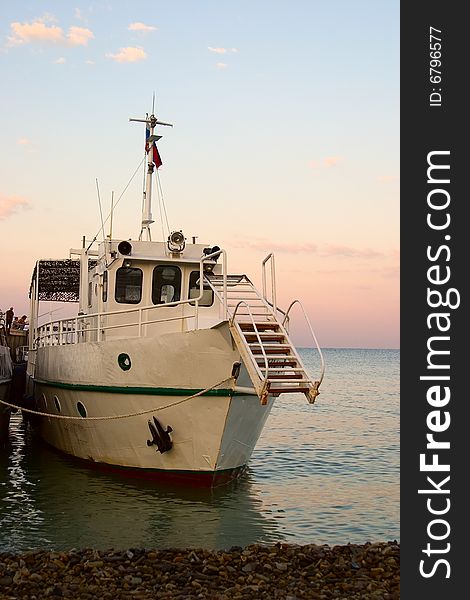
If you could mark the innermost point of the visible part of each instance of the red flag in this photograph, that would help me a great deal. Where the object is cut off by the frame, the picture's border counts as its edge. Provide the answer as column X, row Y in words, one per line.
column 156, row 156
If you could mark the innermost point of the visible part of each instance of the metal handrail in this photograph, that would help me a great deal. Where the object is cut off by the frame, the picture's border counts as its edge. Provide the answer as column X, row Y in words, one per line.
column 224, row 276
column 255, row 328
column 273, row 280
column 286, row 318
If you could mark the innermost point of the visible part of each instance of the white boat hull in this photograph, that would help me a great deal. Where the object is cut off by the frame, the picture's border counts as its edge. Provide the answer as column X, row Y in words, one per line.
column 213, row 435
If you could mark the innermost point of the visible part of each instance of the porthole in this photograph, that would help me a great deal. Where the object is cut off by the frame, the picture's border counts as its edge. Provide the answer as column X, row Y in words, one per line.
column 124, row 361
column 81, row 409
column 57, row 403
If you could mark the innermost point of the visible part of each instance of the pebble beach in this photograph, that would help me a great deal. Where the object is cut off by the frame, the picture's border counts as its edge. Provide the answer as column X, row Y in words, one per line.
column 280, row 571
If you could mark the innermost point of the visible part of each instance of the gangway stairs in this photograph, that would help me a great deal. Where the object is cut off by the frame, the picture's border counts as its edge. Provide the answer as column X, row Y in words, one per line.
column 271, row 359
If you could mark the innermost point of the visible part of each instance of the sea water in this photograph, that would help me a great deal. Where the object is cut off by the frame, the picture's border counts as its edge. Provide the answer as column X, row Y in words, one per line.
column 326, row 473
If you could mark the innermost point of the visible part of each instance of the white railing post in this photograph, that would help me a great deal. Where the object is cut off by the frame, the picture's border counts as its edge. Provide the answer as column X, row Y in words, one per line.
column 273, row 280
column 224, row 268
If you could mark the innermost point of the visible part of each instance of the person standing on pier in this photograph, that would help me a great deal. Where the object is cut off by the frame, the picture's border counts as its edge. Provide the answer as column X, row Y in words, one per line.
column 9, row 318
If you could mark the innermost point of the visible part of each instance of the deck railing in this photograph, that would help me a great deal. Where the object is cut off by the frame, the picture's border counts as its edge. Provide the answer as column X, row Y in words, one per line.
column 93, row 326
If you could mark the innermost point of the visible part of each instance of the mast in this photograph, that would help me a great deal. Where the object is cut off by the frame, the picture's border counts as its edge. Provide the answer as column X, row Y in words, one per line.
column 153, row 162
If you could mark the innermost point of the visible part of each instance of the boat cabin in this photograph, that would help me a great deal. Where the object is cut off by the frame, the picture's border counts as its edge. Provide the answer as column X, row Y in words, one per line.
column 154, row 287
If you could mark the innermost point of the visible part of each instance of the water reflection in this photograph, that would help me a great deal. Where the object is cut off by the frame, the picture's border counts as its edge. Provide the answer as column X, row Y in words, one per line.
column 48, row 500
column 323, row 474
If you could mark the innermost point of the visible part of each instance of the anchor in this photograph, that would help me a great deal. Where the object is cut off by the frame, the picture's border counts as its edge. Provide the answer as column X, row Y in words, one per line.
column 160, row 437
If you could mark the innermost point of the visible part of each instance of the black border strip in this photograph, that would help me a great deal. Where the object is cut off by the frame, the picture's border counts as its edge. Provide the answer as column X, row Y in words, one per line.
column 434, row 254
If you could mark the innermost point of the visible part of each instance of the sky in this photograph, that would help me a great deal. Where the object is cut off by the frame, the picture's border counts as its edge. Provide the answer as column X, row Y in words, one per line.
column 285, row 140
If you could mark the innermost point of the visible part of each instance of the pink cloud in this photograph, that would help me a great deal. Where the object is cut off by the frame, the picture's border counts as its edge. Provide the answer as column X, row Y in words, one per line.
column 11, row 204
column 350, row 251
column 388, row 178
column 265, row 245
column 221, row 65
column 79, row 36
column 129, row 54
column 324, row 250
column 141, row 27
column 39, row 32
column 325, row 163
column 221, row 50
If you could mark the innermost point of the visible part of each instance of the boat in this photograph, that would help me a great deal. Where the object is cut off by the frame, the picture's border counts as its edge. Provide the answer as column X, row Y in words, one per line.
column 6, row 375
column 171, row 365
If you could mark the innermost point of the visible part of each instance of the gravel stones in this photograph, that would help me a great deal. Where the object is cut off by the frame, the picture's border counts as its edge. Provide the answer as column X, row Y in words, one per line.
column 279, row 572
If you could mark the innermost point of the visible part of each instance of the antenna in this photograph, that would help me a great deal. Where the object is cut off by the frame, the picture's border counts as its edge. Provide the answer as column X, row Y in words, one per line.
column 101, row 210
column 111, row 217
column 150, row 148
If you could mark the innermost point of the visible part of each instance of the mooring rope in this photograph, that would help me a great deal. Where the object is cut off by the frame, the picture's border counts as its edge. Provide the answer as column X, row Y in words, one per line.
column 126, row 416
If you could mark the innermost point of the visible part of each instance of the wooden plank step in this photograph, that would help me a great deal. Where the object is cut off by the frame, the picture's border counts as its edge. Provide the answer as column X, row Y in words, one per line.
column 274, row 350
column 266, row 313
column 247, row 326
column 249, row 301
column 264, row 337
column 290, row 376
column 289, row 380
column 274, row 361
column 284, row 370
column 282, row 390
column 268, row 345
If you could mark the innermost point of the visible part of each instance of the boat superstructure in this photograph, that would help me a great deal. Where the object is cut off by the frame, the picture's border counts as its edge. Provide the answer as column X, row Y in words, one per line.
column 172, row 363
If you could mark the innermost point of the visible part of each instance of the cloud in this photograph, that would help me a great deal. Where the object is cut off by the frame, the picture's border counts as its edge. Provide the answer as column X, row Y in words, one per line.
column 39, row 32
column 388, row 178
column 11, row 204
column 325, row 163
column 129, row 54
column 27, row 144
column 141, row 27
column 79, row 36
column 350, row 252
column 263, row 244
column 221, row 65
column 324, row 250
column 60, row 61
column 221, row 50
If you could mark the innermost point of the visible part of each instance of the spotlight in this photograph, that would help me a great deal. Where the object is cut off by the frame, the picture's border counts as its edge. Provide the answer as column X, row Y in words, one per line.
column 124, row 248
column 176, row 241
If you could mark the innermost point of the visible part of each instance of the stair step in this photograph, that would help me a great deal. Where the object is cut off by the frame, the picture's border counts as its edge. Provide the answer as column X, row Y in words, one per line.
column 288, row 379
column 265, row 313
column 264, row 337
column 246, row 326
column 287, row 362
column 249, row 301
column 254, row 345
column 282, row 390
column 286, row 376
column 276, row 351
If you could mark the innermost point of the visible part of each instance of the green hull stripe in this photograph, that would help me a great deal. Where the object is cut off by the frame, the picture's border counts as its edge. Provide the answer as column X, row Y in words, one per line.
column 151, row 391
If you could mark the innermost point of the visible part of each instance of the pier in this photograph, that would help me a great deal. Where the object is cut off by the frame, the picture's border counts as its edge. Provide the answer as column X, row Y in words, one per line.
column 13, row 357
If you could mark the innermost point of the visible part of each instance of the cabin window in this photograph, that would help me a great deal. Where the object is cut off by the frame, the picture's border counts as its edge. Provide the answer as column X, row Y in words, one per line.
column 105, row 286
column 207, row 294
column 128, row 285
column 166, row 284
column 90, row 291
